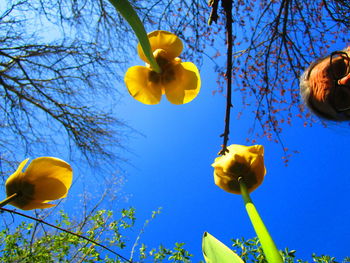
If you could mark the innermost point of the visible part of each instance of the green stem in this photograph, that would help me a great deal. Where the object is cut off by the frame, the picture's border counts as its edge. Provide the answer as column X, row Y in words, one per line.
column 270, row 250
column 9, row 199
column 129, row 14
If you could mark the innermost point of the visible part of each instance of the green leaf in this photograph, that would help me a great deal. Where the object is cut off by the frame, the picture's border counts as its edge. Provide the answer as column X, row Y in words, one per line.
column 129, row 14
column 215, row 251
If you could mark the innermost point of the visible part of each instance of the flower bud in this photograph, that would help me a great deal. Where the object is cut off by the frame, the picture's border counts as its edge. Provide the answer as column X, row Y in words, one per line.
column 246, row 162
column 44, row 180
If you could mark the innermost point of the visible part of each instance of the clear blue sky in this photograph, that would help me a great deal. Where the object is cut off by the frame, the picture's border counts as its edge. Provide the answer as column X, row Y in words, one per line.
column 304, row 205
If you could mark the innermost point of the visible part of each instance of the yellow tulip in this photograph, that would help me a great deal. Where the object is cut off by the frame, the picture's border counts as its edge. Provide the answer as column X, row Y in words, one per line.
column 246, row 162
column 179, row 81
column 44, row 180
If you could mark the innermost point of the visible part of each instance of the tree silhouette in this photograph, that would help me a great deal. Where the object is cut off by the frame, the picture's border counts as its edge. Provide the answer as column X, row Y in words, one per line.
column 55, row 70
column 58, row 57
column 272, row 42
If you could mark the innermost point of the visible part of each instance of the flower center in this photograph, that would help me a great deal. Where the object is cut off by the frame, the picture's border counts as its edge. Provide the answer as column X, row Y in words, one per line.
column 167, row 66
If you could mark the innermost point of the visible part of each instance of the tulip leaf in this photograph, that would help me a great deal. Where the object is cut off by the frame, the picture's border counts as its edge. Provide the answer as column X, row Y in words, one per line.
column 214, row 251
column 129, row 14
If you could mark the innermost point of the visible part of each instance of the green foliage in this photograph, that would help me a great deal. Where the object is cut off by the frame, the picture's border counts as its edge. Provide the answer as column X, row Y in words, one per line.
column 128, row 12
column 34, row 242
column 180, row 254
column 250, row 251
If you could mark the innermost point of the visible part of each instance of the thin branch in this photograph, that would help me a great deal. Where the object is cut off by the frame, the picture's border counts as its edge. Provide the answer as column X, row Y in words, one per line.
column 227, row 5
column 66, row 231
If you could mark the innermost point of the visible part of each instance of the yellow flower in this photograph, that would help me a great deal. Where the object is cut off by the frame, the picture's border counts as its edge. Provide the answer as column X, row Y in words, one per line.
column 44, row 180
column 179, row 81
column 241, row 161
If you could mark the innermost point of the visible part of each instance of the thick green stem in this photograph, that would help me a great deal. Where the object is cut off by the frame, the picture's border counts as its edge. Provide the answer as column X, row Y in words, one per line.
column 9, row 199
column 268, row 245
column 129, row 14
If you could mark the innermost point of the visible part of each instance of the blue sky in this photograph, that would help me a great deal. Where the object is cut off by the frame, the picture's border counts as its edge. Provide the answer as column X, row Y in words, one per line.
column 304, row 205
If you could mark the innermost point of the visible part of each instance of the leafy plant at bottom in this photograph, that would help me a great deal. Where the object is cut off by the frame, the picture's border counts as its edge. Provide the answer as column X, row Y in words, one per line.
column 33, row 242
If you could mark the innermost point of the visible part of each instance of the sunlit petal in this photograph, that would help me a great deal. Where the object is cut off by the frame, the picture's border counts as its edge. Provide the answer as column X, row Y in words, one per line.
column 140, row 87
column 13, row 180
column 167, row 41
column 186, row 85
column 51, row 177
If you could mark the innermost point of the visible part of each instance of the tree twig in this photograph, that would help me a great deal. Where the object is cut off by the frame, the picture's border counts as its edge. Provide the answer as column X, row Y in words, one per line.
column 66, row 231
column 227, row 6
column 213, row 17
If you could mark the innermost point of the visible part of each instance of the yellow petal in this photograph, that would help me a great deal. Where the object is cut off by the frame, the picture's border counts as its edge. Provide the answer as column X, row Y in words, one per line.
column 165, row 40
column 186, row 85
column 140, row 87
column 51, row 178
column 13, row 183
